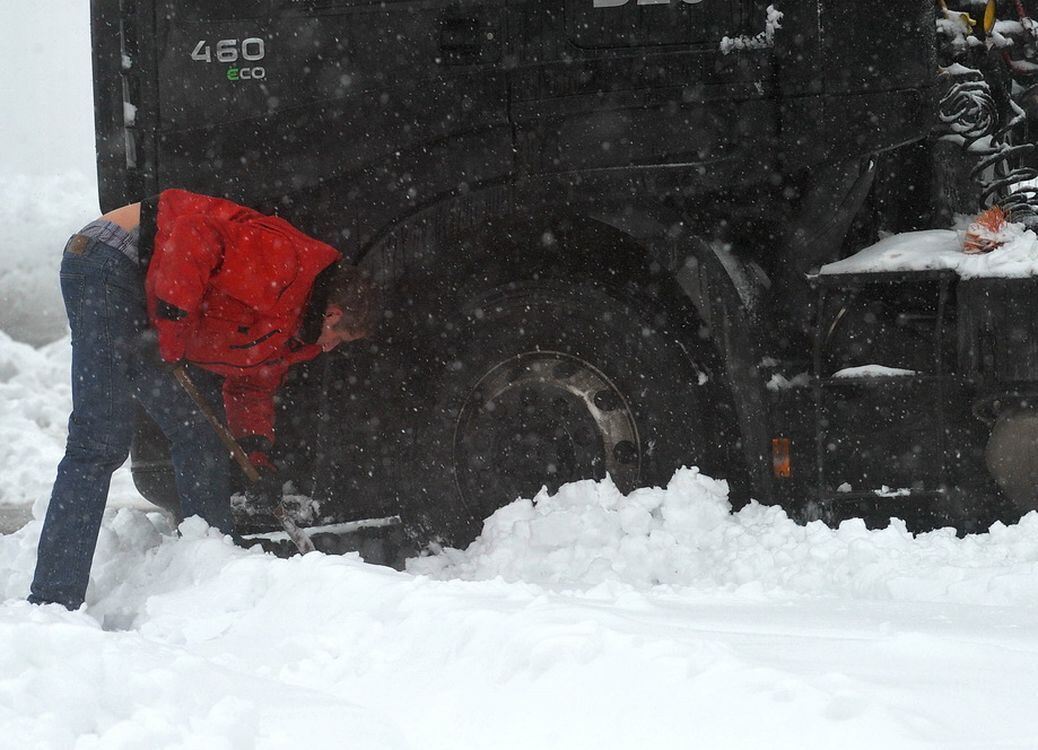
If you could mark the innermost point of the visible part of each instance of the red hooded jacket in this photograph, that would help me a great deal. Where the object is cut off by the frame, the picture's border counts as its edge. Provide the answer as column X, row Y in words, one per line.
column 227, row 287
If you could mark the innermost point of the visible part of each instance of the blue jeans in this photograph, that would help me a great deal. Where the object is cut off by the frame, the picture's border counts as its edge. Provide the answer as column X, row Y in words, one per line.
column 114, row 363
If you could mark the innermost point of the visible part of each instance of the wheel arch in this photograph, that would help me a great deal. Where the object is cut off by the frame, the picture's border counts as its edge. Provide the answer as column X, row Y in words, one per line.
column 729, row 295
column 425, row 238
column 655, row 237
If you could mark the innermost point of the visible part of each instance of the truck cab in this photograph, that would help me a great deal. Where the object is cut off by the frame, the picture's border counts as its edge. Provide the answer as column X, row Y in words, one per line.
column 592, row 220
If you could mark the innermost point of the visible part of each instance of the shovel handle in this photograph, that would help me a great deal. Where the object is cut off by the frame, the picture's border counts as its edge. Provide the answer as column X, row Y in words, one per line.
column 296, row 534
column 221, row 429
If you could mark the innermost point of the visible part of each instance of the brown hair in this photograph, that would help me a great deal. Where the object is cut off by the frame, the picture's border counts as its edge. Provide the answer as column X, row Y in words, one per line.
column 357, row 295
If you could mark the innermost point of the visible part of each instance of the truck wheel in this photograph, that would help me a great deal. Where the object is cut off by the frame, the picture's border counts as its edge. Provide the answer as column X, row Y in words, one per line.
column 546, row 383
column 151, row 467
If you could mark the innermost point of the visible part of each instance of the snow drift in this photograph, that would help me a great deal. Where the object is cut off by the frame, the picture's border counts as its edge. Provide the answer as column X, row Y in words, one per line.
column 686, row 536
column 191, row 642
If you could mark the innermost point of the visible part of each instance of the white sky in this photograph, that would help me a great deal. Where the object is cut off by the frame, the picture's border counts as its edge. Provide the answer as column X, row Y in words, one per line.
column 46, row 100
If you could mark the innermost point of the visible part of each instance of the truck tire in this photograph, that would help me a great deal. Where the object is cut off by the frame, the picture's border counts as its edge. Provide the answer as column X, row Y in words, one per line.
column 542, row 383
column 152, row 468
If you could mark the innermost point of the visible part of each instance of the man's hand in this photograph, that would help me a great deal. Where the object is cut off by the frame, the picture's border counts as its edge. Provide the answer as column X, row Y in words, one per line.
column 264, row 494
column 148, row 351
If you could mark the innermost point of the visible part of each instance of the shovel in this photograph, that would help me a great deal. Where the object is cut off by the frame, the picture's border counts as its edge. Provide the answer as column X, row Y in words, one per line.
column 296, row 534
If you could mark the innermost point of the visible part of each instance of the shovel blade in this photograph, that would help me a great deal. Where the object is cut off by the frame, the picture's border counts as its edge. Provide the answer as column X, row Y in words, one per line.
column 299, row 537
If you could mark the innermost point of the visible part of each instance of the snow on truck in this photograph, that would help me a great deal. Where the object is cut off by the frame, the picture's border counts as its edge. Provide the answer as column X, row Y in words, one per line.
column 599, row 226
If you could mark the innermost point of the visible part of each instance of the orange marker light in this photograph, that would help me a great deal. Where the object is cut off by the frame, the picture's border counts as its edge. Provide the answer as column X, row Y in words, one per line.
column 781, row 457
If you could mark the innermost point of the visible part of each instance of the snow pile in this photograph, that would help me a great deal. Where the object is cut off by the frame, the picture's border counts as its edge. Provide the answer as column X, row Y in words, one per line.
column 779, row 382
column 873, row 371
column 763, row 40
column 685, row 536
column 941, row 249
column 35, row 401
column 956, row 28
column 193, row 642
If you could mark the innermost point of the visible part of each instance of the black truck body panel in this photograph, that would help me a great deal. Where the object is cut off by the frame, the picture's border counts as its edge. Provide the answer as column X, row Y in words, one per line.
column 355, row 89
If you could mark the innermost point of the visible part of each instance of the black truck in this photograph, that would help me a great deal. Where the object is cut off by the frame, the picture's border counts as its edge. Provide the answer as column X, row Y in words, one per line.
column 595, row 224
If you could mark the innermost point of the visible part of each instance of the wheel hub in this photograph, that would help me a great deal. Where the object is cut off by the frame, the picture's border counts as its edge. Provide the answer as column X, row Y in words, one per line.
column 542, row 419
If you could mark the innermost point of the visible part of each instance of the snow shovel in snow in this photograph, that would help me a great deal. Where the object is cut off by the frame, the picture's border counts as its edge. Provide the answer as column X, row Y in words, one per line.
column 297, row 535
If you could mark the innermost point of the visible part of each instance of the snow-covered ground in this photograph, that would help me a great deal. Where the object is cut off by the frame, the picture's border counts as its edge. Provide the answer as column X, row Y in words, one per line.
column 581, row 620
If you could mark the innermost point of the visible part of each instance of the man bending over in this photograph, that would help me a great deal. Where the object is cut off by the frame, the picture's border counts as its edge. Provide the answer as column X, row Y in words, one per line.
column 223, row 288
